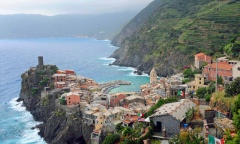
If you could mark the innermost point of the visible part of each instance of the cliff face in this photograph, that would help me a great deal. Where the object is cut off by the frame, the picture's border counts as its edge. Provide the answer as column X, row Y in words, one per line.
column 58, row 127
column 167, row 34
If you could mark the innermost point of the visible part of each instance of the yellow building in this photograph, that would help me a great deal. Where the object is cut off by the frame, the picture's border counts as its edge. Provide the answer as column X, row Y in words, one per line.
column 198, row 83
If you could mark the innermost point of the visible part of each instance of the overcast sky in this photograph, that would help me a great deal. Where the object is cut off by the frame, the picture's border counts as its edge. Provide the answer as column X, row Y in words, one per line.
column 53, row 7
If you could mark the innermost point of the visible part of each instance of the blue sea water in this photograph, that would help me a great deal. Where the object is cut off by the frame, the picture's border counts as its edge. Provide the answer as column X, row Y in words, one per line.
column 88, row 57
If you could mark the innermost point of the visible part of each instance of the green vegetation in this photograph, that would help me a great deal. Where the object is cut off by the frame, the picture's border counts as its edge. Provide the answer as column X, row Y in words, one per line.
column 187, row 138
column 119, row 128
column 201, row 92
column 53, row 69
column 219, row 97
column 186, row 80
column 45, row 100
column 178, row 29
column 189, row 115
column 234, row 88
column 236, row 122
column 111, row 139
column 208, row 97
column 232, row 49
column 60, row 112
column 34, row 91
column 159, row 104
column 188, row 73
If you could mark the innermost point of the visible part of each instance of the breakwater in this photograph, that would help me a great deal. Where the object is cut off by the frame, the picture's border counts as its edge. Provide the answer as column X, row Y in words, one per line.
column 108, row 86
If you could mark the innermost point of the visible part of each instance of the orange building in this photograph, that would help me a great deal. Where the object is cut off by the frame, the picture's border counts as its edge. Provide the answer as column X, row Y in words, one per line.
column 70, row 72
column 201, row 58
column 73, row 98
column 224, row 71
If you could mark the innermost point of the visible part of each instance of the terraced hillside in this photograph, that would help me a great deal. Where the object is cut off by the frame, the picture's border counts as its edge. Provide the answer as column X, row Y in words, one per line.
column 174, row 31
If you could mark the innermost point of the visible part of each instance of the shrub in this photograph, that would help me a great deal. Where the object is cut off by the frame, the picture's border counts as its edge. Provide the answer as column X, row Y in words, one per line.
column 111, row 139
column 208, row 97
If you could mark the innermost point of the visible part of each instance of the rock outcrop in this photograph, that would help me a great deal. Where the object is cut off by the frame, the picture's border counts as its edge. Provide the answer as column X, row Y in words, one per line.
column 57, row 126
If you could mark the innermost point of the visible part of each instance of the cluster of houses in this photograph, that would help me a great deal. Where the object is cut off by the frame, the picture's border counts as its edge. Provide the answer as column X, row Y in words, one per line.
column 104, row 111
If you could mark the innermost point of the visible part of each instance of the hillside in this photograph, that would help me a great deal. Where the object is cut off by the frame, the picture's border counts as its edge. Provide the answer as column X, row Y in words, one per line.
column 102, row 26
column 167, row 33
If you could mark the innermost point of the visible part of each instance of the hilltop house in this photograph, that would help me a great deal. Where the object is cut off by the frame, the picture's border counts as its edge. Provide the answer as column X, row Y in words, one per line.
column 171, row 116
column 200, row 59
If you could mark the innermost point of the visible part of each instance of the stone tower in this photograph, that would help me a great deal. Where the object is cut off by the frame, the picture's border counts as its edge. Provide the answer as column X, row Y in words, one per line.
column 153, row 77
column 40, row 62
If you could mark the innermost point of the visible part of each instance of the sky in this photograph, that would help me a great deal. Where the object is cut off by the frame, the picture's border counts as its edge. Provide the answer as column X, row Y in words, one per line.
column 54, row 7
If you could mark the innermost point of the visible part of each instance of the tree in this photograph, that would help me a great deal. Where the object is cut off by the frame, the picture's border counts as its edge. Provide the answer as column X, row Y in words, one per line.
column 111, row 139
column 201, row 92
column 208, row 97
column 211, row 88
column 119, row 127
column 219, row 80
column 233, row 89
column 236, row 105
column 127, row 131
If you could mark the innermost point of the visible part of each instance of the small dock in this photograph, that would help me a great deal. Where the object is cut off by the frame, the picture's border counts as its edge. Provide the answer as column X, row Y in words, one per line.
column 108, row 86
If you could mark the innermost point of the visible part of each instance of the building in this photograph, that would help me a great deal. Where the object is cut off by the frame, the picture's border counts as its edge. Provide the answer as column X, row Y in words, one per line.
column 153, row 77
column 115, row 99
column 198, row 83
column 171, row 116
column 73, row 98
column 132, row 99
column 236, row 70
column 224, row 71
column 200, row 59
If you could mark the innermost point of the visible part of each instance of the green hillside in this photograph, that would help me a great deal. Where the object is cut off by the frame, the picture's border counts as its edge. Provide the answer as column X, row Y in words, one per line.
column 177, row 30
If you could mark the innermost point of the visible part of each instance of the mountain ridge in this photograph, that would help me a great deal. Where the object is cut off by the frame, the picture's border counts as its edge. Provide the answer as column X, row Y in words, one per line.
column 102, row 26
column 176, row 30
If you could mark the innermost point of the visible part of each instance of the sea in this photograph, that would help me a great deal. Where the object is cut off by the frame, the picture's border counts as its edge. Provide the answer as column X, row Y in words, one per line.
column 87, row 57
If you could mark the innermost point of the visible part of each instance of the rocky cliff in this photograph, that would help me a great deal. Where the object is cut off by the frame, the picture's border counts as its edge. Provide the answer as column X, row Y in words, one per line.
column 167, row 34
column 58, row 127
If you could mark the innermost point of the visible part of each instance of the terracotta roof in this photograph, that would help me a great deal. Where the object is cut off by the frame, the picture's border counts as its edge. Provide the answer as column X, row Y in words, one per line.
column 199, row 54
column 221, row 65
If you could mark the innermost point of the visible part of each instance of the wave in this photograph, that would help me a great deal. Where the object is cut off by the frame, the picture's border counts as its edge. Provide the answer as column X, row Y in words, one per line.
column 107, row 59
column 126, row 69
column 28, row 135
column 132, row 74
column 17, row 106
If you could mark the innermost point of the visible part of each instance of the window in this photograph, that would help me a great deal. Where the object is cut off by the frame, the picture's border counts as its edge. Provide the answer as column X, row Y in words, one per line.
column 238, row 68
column 199, row 82
column 200, row 78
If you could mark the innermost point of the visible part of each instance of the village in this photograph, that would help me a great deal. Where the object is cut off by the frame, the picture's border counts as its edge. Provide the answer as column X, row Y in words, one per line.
column 104, row 111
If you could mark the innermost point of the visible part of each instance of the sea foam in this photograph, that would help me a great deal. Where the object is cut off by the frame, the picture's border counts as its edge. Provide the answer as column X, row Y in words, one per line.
column 28, row 135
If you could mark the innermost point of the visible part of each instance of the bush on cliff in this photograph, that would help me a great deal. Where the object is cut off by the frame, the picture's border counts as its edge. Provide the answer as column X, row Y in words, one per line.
column 111, row 139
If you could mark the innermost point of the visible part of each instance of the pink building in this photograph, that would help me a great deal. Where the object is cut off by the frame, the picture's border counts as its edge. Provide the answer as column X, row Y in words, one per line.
column 224, row 71
column 201, row 58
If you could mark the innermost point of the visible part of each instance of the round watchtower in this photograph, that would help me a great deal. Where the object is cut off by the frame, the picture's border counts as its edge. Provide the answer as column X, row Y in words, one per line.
column 153, row 76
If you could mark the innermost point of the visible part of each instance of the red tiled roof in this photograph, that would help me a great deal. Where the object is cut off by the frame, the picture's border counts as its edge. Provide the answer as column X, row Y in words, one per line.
column 199, row 54
column 221, row 65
